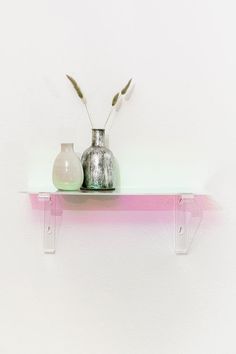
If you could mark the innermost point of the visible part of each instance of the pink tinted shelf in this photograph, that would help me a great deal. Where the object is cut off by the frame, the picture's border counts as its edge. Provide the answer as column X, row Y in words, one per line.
column 187, row 207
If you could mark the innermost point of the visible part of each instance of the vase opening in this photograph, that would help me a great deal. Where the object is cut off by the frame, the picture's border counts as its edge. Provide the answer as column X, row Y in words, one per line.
column 67, row 147
column 98, row 137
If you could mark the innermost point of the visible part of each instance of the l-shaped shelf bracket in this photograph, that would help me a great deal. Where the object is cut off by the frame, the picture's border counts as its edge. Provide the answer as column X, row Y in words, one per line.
column 186, row 208
column 188, row 217
column 49, row 211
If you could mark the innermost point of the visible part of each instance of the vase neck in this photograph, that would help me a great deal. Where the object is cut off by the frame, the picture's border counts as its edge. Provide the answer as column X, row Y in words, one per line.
column 67, row 147
column 98, row 137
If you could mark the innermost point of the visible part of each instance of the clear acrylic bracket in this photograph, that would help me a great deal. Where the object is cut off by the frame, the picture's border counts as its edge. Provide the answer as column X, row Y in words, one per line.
column 49, row 211
column 188, row 217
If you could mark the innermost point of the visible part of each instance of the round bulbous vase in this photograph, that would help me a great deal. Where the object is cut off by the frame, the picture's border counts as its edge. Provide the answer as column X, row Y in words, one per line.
column 67, row 172
column 98, row 164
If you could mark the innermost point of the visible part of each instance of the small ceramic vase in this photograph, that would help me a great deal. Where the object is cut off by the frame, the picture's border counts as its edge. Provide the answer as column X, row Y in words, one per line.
column 67, row 172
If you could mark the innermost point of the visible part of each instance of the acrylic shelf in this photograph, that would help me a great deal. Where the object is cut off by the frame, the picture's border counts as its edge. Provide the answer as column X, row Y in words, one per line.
column 187, row 207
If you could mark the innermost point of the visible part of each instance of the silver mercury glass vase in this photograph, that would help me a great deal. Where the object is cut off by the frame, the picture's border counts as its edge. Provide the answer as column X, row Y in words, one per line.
column 98, row 164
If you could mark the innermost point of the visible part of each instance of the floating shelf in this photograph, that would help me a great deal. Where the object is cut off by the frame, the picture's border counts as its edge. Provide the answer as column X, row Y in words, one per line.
column 188, row 211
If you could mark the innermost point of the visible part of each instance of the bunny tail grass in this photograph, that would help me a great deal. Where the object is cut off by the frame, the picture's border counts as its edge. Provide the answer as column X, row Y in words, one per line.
column 125, row 89
column 81, row 96
column 76, row 86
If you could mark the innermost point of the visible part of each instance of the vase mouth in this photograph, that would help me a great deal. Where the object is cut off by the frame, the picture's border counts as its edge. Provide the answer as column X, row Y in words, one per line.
column 98, row 129
column 98, row 137
column 65, row 147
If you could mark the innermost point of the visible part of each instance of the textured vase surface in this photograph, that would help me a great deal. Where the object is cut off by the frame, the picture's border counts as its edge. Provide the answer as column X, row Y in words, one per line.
column 67, row 169
column 98, row 164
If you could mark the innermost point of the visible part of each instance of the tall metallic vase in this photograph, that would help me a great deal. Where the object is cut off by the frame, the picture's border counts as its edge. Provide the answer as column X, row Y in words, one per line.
column 98, row 164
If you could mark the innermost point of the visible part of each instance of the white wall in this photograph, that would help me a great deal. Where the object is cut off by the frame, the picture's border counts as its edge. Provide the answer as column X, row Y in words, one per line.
column 114, row 285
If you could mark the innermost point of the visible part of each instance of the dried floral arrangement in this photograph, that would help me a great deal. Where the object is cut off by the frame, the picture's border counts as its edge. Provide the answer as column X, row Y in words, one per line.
column 115, row 103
